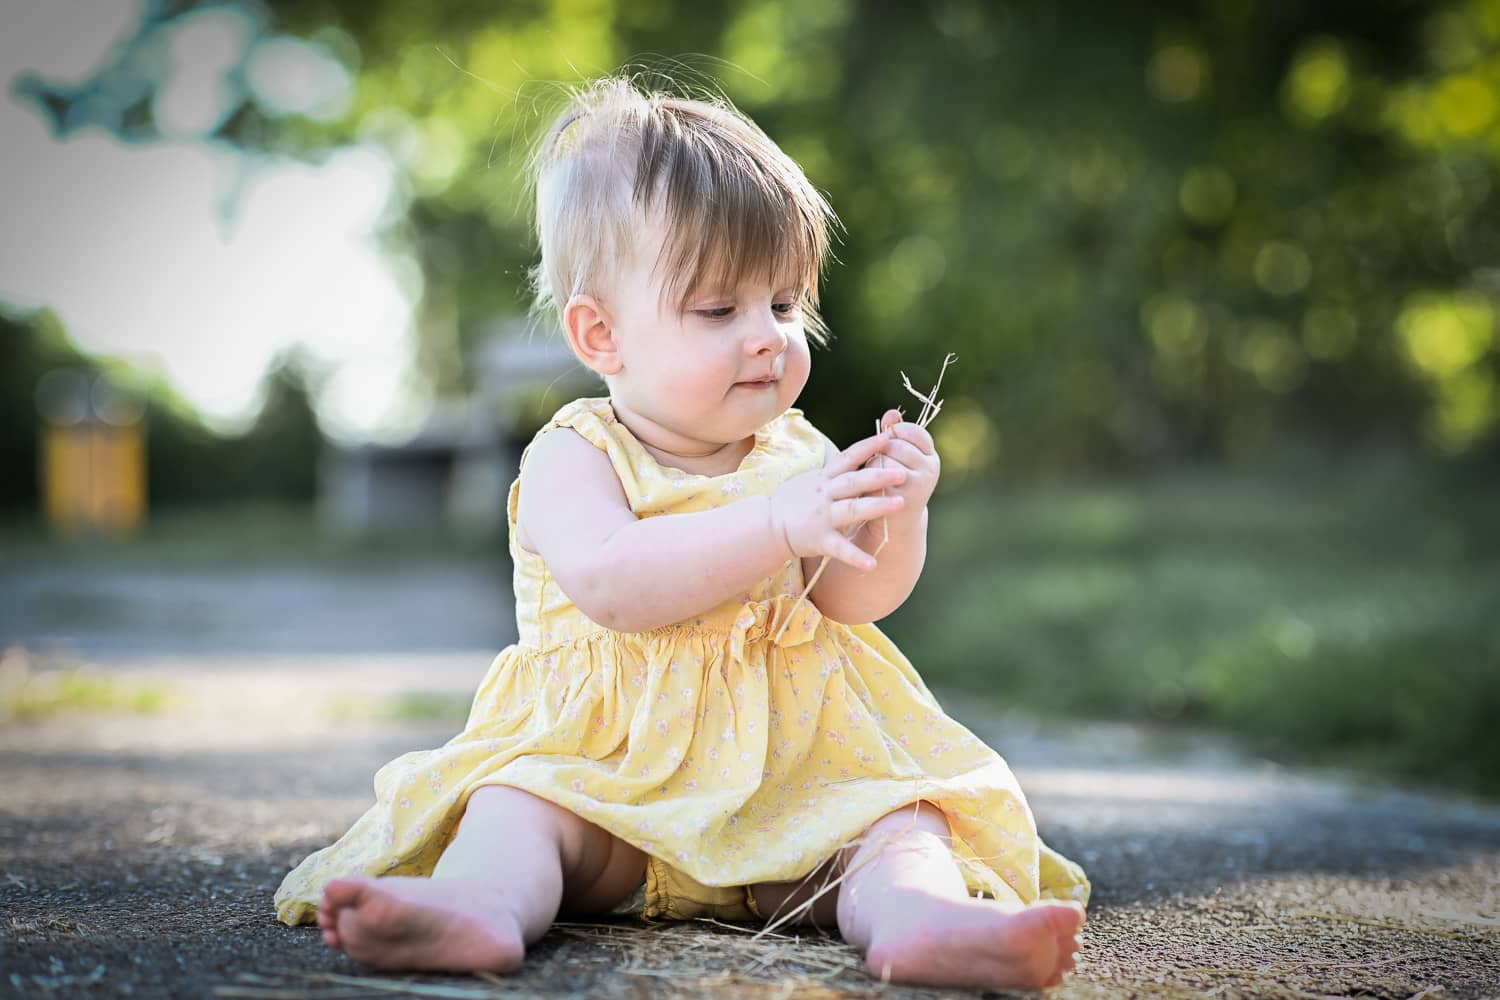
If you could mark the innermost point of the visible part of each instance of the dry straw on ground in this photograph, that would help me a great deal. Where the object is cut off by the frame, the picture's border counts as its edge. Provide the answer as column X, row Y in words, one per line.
column 702, row 957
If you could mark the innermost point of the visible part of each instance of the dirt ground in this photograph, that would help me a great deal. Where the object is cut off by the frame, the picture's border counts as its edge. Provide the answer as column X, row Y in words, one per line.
column 138, row 853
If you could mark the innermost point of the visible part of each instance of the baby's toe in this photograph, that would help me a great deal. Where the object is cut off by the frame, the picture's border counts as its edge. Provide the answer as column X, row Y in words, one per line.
column 1065, row 965
column 1068, row 919
column 339, row 893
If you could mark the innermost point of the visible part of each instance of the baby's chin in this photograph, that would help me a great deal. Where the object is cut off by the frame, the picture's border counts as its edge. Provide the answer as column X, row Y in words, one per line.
column 774, row 397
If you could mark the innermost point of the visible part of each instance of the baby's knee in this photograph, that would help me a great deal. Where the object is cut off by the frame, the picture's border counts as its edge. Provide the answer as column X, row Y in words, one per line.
column 921, row 816
column 516, row 813
column 918, row 826
column 587, row 852
column 515, row 803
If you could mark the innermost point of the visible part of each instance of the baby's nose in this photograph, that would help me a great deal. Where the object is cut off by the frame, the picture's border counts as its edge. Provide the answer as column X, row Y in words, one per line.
column 768, row 336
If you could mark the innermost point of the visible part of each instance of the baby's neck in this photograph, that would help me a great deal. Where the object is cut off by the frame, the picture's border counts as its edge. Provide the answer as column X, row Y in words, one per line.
column 720, row 463
column 712, row 463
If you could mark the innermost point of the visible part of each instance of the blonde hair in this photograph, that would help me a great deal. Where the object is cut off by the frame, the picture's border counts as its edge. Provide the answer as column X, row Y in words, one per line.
column 732, row 204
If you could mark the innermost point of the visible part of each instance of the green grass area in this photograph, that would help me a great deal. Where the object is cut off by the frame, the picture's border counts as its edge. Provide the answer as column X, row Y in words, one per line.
column 245, row 534
column 27, row 694
column 413, row 706
column 1320, row 618
column 1338, row 621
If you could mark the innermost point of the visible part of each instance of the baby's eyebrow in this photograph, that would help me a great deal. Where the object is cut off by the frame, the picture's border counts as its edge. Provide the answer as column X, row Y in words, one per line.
column 708, row 291
column 710, row 295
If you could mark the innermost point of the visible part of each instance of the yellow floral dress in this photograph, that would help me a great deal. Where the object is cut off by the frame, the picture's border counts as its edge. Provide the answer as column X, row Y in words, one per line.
column 728, row 757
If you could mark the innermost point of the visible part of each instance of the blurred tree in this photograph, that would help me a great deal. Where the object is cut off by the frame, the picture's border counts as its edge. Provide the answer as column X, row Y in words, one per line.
column 186, row 462
column 30, row 347
column 1186, row 231
column 280, row 456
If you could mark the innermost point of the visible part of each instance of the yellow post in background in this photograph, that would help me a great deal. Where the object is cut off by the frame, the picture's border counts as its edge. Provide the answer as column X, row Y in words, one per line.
column 93, row 455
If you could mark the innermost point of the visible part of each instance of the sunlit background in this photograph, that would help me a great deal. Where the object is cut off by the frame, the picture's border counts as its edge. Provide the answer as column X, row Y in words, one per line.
column 1221, row 445
column 186, row 255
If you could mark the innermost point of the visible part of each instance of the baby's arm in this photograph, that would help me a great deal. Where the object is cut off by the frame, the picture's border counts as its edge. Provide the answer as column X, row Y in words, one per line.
column 634, row 575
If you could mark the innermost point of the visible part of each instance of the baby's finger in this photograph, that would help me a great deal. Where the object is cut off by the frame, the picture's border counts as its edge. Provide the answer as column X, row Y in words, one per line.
column 852, row 555
column 847, row 512
column 918, row 436
column 905, row 454
column 868, row 480
column 857, row 454
column 890, row 419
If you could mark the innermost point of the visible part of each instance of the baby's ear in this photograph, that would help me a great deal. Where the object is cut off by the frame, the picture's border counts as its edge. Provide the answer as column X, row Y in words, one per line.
column 591, row 334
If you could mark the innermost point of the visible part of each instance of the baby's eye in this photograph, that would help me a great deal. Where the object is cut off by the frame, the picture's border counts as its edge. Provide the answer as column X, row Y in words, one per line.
column 785, row 308
column 721, row 312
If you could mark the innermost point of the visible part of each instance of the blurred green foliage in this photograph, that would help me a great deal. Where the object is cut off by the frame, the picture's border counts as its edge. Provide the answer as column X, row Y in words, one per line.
column 28, row 350
column 1178, row 230
column 1150, row 233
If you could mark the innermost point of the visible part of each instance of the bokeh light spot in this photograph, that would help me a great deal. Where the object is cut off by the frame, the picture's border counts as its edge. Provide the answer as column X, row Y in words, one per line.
column 1466, row 407
column 1267, row 350
column 1177, row 73
column 1207, row 194
column 287, row 76
column 966, row 438
column 199, row 93
column 1317, row 85
column 1465, row 105
column 1282, row 268
column 1445, row 334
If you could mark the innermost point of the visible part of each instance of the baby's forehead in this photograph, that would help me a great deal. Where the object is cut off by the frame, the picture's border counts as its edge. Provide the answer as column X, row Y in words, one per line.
column 682, row 259
column 685, row 288
column 748, row 284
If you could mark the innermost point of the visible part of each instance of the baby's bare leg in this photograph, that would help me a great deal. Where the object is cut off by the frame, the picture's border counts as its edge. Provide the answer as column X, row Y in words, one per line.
column 514, row 862
column 810, row 902
column 903, row 903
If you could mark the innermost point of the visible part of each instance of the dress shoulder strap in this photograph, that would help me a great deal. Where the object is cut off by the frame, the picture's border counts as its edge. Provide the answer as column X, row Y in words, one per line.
column 593, row 419
column 783, row 448
column 794, row 440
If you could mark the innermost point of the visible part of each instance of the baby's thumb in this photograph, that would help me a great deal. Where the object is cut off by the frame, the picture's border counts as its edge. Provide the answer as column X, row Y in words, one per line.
column 890, row 419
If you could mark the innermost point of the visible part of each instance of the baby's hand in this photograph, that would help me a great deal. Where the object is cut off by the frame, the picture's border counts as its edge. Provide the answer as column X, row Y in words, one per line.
column 913, row 450
column 812, row 510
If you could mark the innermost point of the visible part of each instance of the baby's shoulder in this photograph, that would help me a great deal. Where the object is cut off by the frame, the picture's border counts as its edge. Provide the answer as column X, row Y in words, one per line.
column 565, row 482
column 560, row 455
column 795, row 432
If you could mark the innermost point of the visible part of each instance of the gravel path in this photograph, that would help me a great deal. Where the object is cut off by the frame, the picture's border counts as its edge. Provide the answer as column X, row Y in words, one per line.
column 138, row 853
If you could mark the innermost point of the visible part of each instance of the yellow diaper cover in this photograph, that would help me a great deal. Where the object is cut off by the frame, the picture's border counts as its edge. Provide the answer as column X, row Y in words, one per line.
column 675, row 895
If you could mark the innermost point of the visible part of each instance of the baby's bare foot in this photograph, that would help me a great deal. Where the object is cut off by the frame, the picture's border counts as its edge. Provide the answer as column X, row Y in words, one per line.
column 421, row 923
column 977, row 943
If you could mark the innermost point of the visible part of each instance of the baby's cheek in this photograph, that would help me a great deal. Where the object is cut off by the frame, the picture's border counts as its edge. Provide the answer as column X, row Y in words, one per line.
column 798, row 361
